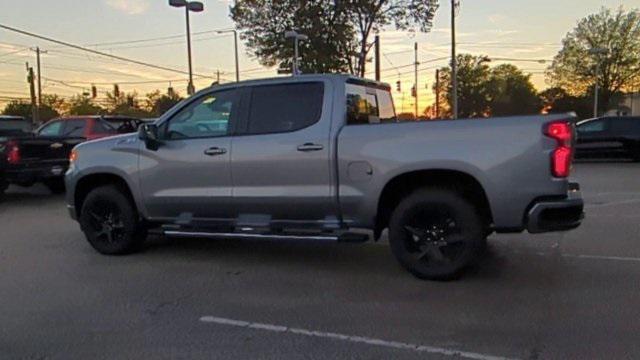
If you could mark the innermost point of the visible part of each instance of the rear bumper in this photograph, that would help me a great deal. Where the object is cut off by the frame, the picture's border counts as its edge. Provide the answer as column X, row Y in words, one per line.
column 557, row 215
column 31, row 174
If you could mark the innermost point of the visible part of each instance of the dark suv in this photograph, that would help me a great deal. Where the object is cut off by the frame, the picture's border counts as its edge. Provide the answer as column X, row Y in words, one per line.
column 609, row 137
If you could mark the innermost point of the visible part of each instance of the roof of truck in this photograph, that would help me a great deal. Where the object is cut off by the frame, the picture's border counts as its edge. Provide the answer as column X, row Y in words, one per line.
column 304, row 78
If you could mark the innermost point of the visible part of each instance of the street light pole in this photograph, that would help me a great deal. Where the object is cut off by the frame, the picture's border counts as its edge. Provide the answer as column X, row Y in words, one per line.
column 454, row 65
column 597, row 52
column 235, row 48
column 190, row 88
column 194, row 6
column 296, row 38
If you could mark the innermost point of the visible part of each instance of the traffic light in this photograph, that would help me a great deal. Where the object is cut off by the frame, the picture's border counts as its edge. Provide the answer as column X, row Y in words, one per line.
column 413, row 91
column 94, row 91
column 398, row 87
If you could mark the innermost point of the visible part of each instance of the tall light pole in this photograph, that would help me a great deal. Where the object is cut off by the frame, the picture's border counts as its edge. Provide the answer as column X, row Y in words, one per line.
column 415, row 70
column 597, row 52
column 292, row 34
column 194, row 6
column 454, row 66
column 235, row 48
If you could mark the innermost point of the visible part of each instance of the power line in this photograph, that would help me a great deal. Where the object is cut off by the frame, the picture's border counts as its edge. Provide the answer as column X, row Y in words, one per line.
column 121, row 58
column 136, row 41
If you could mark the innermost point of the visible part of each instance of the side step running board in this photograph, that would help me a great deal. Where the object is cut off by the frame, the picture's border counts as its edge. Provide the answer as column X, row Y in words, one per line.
column 249, row 235
column 345, row 237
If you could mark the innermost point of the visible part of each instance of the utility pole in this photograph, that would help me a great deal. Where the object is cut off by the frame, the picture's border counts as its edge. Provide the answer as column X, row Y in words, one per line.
column 39, row 76
column 415, row 70
column 377, row 50
column 454, row 65
column 437, row 93
column 32, row 89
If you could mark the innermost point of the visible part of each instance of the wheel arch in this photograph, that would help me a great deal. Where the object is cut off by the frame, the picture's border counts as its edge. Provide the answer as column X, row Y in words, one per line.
column 406, row 183
column 85, row 184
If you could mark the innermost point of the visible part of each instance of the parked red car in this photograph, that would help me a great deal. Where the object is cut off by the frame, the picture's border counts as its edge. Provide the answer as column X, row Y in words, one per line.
column 89, row 127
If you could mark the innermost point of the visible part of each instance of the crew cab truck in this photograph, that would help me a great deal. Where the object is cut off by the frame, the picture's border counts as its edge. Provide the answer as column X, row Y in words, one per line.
column 315, row 156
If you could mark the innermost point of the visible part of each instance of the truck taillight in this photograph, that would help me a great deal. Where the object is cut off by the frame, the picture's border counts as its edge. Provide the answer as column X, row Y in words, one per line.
column 561, row 157
column 13, row 152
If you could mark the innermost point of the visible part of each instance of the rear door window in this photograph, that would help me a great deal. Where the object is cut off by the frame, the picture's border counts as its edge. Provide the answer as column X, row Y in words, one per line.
column 74, row 128
column 285, row 107
column 368, row 105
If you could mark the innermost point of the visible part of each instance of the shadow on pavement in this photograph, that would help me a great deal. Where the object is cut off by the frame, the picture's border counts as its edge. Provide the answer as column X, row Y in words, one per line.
column 367, row 258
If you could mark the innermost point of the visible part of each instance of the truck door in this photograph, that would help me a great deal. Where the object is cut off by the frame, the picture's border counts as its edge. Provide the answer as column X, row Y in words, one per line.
column 281, row 164
column 190, row 172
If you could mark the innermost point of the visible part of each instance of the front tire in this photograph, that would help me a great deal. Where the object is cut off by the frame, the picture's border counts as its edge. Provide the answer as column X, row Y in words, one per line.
column 110, row 222
column 435, row 234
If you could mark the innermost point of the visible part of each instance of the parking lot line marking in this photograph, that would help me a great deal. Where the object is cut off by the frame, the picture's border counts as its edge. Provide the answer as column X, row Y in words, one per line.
column 613, row 203
column 601, row 257
column 350, row 338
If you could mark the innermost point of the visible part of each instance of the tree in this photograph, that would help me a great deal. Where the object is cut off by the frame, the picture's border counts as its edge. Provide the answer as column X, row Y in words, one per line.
column 511, row 92
column 17, row 108
column 263, row 24
column 484, row 91
column 158, row 103
column 473, row 77
column 574, row 67
column 339, row 31
column 125, row 104
column 557, row 100
column 82, row 105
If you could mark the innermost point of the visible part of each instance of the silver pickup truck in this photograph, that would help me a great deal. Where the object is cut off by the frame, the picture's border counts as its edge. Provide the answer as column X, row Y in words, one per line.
column 317, row 156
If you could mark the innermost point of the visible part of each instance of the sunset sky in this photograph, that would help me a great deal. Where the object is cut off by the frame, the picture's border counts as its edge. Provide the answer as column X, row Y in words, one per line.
column 515, row 29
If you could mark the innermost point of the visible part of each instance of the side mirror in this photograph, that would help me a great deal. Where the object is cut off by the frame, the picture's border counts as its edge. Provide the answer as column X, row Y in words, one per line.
column 149, row 134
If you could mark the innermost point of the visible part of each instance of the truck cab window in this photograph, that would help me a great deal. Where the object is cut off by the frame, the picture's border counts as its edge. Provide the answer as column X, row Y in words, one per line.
column 368, row 106
column 285, row 107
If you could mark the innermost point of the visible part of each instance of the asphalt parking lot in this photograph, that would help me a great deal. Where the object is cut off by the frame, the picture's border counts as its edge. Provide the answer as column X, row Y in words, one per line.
column 554, row 296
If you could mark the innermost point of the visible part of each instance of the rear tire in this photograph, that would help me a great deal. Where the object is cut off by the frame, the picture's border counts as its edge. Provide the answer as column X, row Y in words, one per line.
column 110, row 222
column 436, row 234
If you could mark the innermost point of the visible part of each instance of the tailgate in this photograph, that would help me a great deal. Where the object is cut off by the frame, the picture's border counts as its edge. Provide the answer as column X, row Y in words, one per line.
column 44, row 149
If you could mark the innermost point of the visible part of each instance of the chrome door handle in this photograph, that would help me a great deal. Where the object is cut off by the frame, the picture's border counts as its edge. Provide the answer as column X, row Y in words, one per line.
column 310, row 147
column 213, row 151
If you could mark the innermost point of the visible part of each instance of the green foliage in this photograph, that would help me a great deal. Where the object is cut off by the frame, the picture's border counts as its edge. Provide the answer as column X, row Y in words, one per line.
column 574, row 67
column 126, row 104
column 473, row 77
column 483, row 91
column 557, row 100
column 47, row 112
column 339, row 31
column 83, row 105
column 17, row 108
column 158, row 103
column 511, row 92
